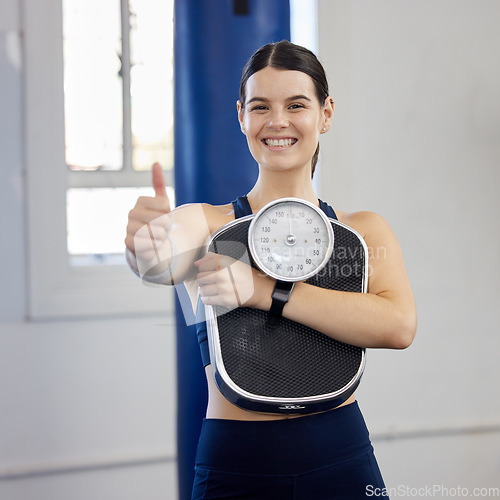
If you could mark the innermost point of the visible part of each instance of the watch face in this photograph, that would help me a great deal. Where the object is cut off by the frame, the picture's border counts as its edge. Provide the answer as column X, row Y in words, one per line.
column 290, row 239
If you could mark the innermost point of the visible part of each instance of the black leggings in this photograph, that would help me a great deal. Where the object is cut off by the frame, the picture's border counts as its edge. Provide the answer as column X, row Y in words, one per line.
column 317, row 457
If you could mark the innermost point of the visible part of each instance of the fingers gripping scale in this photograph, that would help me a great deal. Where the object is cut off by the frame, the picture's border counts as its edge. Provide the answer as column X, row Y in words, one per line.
column 267, row 363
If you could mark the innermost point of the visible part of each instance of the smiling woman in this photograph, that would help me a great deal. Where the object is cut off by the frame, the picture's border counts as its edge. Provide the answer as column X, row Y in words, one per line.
column 281, row 59
column 283, row 109
column 284, row 121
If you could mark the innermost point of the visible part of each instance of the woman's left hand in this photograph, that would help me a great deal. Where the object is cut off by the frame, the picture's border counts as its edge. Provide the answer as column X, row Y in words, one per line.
column 231, row 283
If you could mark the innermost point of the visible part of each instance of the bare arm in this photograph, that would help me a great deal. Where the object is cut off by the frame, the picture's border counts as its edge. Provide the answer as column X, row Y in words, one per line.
column 383, row 317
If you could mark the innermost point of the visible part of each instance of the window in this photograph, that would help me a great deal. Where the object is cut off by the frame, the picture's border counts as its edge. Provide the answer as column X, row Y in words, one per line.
column 98, row 93
column 118, row 109
column 78, row 160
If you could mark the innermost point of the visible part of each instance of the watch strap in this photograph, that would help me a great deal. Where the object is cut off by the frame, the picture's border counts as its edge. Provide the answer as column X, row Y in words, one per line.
column 281, row 295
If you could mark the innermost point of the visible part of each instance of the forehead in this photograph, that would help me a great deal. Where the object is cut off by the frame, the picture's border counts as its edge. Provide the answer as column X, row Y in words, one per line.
column 276, row 84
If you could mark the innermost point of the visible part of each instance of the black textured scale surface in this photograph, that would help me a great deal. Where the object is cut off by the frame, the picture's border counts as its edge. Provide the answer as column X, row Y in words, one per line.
column 289, row 360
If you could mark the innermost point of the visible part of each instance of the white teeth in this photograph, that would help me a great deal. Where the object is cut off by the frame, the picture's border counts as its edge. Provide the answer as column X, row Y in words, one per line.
column 280, row 142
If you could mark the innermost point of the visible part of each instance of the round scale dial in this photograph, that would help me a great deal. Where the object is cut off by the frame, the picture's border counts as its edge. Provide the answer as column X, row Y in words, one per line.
column 290, row 239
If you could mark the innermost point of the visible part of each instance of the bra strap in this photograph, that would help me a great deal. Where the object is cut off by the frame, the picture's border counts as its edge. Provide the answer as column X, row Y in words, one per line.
column 241, row 207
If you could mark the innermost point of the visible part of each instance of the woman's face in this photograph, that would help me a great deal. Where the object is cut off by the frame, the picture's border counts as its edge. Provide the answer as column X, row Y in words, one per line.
column 282, row 118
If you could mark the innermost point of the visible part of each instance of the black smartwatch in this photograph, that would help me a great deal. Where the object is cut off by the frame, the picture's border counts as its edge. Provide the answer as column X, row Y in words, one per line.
column 281, row 295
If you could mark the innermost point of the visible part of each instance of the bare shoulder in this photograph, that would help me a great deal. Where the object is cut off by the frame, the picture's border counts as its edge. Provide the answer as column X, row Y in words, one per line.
column 212, row 216
column 367, row 224
column 218, row 215
column 219, row 210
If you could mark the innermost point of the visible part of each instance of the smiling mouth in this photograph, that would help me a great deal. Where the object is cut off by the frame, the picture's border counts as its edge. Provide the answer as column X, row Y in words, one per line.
column 279, row 143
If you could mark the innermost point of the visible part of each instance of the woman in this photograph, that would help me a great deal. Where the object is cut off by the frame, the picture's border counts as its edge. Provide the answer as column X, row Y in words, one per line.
column 284, row 107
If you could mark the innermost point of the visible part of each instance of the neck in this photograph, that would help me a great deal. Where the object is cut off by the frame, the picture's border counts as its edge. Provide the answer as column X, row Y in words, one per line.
column 272, row 185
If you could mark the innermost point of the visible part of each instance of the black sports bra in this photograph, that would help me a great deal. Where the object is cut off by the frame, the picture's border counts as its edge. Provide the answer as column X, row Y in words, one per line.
column 241, row 209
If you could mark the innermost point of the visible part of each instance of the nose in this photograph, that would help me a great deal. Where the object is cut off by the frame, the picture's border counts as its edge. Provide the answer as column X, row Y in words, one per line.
column 278, row 120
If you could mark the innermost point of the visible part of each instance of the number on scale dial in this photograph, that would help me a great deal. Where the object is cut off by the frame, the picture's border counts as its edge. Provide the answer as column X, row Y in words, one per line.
column 290, row 239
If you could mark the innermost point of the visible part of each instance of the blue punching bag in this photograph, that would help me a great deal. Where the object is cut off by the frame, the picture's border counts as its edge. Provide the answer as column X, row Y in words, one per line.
column 213, row 41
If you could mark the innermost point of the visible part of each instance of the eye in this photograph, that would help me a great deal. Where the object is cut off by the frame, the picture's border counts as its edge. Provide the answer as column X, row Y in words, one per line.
column 259, row 107
column 296, row 105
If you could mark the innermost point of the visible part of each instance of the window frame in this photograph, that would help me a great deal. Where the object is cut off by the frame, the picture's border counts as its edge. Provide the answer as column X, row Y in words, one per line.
column 58, row 289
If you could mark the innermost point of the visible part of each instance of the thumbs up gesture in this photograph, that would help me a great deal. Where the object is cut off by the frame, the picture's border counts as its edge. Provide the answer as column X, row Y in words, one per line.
column 149, row 224
column 159, row 182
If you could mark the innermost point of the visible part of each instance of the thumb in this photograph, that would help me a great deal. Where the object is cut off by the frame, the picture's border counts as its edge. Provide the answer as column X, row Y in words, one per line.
column 158, row 181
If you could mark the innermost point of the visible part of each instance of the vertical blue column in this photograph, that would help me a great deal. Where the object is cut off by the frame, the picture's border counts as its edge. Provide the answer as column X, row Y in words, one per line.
column 213, row 40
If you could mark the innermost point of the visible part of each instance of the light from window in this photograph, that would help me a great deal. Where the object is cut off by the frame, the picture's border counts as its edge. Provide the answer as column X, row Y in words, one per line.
column 118, row 98
column 151, row 83
column 97, row 221
column 93, row 95
column 118, row 83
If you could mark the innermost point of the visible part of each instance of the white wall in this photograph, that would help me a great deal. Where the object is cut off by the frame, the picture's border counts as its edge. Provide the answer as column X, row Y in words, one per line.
column 416, row 138
column 12, row 209
column 87, row 410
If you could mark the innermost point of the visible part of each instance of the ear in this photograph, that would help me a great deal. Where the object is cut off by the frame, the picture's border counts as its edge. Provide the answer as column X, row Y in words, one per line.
column 239, row 107
column 327, row 114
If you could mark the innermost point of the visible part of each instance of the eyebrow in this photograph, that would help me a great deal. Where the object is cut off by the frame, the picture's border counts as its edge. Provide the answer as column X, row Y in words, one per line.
column 293, row 98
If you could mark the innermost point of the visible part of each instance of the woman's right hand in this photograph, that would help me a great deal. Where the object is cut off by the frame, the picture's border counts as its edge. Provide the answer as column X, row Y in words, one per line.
column 149, row 224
